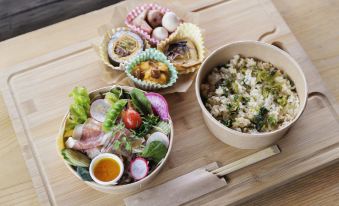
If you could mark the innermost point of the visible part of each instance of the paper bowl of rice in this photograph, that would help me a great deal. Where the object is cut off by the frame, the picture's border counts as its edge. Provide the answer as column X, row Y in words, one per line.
column 250, row 93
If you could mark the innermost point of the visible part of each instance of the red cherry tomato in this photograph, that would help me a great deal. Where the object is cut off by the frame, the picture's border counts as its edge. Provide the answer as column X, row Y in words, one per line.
column 131, row 119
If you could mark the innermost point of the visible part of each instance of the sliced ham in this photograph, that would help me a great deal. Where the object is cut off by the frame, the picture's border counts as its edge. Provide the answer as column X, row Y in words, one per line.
column 117, row 135
column 92, row 129
column 91, row 137
column 84, row 145
column 93, row 152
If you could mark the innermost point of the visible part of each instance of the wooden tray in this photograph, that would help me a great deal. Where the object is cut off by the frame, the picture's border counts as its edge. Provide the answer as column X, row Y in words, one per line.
column 36, row 96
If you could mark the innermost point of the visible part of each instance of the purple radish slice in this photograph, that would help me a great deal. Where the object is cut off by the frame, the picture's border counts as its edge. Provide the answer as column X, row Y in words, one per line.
column 139, row 168
column 77, row 132
column 99, row 109
column 159, row 105
column 158, row 136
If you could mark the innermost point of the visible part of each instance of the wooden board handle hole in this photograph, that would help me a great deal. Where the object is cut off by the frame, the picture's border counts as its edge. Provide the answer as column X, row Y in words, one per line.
column 279, row 45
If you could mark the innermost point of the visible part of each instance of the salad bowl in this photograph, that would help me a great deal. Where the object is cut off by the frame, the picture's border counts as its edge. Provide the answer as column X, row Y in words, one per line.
column 114, row 189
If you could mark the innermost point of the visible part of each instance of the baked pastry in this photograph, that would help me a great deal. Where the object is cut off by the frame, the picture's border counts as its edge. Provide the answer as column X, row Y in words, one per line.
column 123, row 46
column 151, row 71
column 184, row 48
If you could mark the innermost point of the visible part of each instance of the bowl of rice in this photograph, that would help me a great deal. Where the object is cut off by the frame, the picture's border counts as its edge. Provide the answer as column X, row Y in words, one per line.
column 250, row 93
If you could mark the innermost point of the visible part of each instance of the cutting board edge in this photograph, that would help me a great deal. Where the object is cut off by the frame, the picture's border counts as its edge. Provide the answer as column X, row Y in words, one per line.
column 26, row 151
column 26, row 147
column 288, row 180
column 32, row 164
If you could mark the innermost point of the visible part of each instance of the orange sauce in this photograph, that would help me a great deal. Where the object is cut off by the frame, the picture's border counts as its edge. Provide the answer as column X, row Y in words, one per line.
column 106, row 169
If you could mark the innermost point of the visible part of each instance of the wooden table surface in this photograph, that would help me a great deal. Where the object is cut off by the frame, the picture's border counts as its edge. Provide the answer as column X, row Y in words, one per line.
column 314, row 23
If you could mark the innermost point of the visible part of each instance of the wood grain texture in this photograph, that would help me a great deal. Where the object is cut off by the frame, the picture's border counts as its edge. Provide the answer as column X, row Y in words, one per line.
column 35, row 113
column 16, row 186
column 320, row 187
column 20, row 16
column 10, row 8
column 312, row 23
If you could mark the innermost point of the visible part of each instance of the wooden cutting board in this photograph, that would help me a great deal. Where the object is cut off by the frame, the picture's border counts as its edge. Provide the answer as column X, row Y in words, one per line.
column 36, row 96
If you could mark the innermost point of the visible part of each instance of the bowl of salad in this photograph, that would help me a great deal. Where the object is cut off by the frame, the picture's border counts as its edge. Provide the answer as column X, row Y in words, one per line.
column 250, row 93
column 116, row 139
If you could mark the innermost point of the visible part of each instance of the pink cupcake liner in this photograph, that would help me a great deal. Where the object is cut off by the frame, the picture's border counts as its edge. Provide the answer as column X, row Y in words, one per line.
column 135, row 12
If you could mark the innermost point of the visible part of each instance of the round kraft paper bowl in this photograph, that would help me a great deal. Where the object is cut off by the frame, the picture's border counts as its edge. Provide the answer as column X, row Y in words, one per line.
column 265, row 52
column 115, row 189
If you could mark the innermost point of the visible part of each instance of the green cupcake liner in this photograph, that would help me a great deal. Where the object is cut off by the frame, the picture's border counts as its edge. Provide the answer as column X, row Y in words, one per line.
column 147, row 55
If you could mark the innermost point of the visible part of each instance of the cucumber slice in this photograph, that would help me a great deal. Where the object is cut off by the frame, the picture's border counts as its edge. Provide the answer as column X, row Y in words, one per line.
column 163, row 127
column 75, row 158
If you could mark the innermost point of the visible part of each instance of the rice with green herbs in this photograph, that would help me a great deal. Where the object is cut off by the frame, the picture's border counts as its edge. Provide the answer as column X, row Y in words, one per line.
column 250, row 96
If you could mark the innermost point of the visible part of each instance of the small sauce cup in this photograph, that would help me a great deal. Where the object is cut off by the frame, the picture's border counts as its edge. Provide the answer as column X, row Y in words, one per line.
column 106, row 169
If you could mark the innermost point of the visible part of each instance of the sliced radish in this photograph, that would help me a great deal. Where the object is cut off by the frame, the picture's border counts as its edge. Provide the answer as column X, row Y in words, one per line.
column 77, row 132
column 99, row 109
column 159, row 104
column 139, row 168
column 158, row 136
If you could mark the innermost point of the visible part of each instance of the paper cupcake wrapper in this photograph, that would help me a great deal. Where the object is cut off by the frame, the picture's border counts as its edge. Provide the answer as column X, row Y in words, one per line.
column 192, row 32
column 103, row 47
column 186, row 70
column 147, row 55
column 135, row 12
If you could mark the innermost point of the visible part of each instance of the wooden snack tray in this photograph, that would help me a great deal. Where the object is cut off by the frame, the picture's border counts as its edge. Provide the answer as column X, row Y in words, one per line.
column 36, row 97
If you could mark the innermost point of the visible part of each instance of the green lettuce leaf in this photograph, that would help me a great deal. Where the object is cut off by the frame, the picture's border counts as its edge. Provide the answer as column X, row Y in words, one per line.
column 140, row 102
column 84, row 173
column 148, row 122
column 155, row 150
column 79, row 109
